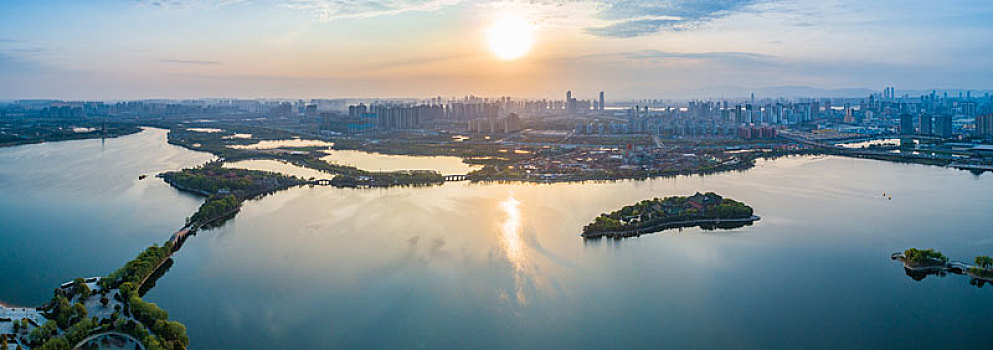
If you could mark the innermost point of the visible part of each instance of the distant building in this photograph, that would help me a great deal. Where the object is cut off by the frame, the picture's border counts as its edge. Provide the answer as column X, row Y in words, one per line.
column 310, row 111
column 700, row 201
column 943, row 126
column 510, row 123
column 357, row 111
column 603, row 103
column 752, row 133
column 280, row 110
column 984, row 125
column 906, row 124
column 924, row 120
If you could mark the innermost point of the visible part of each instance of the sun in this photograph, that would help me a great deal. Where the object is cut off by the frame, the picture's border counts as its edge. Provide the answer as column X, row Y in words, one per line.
column 510, row 37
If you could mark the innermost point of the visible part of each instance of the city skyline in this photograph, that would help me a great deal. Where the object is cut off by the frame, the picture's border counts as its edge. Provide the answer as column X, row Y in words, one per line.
column 363, row 49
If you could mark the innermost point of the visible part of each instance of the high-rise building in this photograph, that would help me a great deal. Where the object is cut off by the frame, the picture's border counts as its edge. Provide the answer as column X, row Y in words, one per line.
column 943, row 125
column 984, row 125
column 570, row 103
column 906, row 124
column 602, row 101
column 924, row 120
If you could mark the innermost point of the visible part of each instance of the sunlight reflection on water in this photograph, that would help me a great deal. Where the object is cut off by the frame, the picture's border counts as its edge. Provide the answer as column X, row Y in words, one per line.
column 513, row 243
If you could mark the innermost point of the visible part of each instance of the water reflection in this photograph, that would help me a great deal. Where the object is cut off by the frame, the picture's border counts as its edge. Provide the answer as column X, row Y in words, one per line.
column 919, row 275
column 513, row 243
column 291, row 143
column 446, row 165
column 279, row 167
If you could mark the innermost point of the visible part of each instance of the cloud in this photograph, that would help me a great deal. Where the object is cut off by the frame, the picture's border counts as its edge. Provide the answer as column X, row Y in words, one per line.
column 327, row 10
column 186, row 4
column 627, row 29
column 614, row 18
column 736, row 56
column 629, row 15
column 194, row 62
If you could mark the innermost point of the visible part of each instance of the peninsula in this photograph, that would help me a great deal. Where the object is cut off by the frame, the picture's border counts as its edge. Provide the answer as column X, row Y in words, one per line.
column 653, row 215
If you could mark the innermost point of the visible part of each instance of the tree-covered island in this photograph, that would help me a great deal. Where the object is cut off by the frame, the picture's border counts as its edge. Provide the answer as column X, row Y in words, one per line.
column 652, row 215
column 920, row 263
column 923, row 258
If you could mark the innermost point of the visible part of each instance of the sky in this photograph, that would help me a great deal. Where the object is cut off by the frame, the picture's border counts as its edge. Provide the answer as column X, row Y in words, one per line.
column 132, row 49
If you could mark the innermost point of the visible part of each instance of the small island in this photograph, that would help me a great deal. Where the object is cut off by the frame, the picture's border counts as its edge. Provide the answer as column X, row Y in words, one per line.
column 922, row 259
column 708, row 210
column 920, row 263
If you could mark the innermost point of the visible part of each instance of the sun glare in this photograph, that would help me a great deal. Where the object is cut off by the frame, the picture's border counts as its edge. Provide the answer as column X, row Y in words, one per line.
column 510, row 37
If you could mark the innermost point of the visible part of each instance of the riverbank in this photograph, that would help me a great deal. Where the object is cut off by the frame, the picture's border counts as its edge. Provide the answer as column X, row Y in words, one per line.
column 35, row 131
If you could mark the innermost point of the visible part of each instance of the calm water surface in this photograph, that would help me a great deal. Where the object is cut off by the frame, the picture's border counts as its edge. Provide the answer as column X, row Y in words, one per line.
column 502, row 266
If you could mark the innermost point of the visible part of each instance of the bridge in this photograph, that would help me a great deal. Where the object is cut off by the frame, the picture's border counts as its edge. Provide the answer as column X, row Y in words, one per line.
column 137, row 343
column 177, row 238
column 456, row 177
column 860, row 152
column 321, row 182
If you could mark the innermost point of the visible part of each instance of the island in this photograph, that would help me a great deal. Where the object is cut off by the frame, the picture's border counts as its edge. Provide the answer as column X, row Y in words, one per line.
column 920, row 263
column 708, row 210
column 922, row 259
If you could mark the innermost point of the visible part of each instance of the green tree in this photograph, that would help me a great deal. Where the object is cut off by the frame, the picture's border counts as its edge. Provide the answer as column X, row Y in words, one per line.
column 84, row 291
column 79, row 311
column 984, row 261
column 56, row 343
column 41, row 334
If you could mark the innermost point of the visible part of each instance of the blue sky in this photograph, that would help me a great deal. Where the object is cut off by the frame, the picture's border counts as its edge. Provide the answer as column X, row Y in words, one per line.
column 121, row 49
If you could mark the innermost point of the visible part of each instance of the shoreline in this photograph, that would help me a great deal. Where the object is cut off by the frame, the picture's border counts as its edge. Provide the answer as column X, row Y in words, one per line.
column 668, row 225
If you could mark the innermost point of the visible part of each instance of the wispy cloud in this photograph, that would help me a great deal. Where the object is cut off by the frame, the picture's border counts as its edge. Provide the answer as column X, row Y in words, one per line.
column 627, row 29
column 194, row 62
column 186, row 4
column 335, row 9
column 629, row 15
column 614, row 18
column 657, row 55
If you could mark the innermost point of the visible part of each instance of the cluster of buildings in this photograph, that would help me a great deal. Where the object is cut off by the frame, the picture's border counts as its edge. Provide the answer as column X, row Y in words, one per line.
column 510, row 123
column 616, row 162
column 931, row 114
column 926, row 125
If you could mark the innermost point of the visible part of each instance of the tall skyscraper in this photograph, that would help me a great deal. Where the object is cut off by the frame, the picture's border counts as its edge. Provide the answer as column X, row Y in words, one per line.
column 984, row 125
column 906, row 124
column 924, row 120
column 602, row 103
column 943, row 125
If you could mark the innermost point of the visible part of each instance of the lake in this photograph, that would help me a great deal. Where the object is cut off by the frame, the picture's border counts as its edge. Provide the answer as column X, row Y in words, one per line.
column 467, row 265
